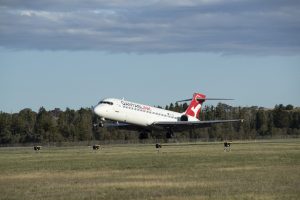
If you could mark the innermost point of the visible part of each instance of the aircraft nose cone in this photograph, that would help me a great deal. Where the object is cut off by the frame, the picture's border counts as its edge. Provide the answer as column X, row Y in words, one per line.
column 98, row 110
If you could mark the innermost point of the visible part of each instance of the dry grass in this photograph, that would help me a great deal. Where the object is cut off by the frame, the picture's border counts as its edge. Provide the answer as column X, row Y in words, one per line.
column 250, row 171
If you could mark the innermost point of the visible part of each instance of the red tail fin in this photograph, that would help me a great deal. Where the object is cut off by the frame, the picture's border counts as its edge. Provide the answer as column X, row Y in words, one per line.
column 194, row 108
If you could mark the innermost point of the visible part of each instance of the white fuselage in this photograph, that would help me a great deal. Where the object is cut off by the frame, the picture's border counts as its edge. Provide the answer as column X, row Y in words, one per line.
column 134, row 113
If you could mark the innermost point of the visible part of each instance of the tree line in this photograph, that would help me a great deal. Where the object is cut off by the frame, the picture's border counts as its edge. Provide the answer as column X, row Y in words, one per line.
column 70, row 125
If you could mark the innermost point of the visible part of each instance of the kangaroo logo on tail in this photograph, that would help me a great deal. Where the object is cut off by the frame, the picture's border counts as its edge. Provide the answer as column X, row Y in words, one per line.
column 195, row 107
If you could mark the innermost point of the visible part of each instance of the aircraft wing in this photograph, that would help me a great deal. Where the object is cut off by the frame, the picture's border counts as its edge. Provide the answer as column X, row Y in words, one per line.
column 176, row 126
column 124, row 126
column 181, row 125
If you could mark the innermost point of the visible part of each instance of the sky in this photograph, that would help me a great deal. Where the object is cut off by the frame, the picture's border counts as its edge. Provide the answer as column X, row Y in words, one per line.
column 59, row 54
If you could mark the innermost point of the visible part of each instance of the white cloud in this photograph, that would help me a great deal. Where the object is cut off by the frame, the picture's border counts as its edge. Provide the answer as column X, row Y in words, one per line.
column 52, row 16
column 229, row 27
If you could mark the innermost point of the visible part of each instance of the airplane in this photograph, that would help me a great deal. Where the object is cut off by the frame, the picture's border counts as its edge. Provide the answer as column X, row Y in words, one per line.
column 134, row 116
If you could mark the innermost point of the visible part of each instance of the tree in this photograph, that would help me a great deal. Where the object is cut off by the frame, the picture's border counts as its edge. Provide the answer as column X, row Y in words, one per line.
column 184, row 107
column 171, row 107
column 45, row 127
column 80, row 125
column 261, row 122
column 84, row 125
column 295, row 120
column 177, row 108
column 28, row 117
column 289, row 107
column 281, row 117
column 5, row 131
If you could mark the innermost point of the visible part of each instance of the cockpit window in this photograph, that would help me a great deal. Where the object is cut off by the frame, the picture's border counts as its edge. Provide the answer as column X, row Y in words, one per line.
column 106, row 102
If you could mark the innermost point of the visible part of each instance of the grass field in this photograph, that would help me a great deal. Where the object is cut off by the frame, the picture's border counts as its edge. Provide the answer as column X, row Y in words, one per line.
column 268, row 170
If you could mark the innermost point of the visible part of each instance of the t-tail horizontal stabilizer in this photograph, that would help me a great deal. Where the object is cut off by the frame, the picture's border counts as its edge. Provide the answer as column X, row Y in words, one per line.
column 203, row 99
